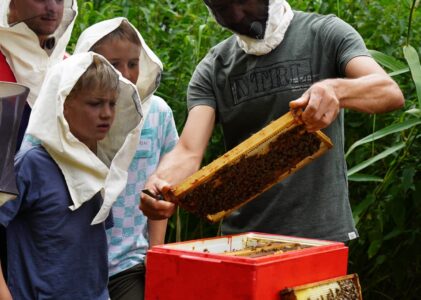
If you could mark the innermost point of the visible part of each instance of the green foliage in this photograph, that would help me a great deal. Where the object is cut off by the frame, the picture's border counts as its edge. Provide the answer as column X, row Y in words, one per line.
column 387, row 255
column 413, row 60
column 386, row 197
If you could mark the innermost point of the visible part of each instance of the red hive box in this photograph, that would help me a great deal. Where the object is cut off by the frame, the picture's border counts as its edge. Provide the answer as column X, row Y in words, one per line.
column 244, row 266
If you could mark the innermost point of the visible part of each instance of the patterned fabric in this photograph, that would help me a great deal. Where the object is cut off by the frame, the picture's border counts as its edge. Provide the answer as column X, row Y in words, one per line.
column 128, row 239
column 29, row 141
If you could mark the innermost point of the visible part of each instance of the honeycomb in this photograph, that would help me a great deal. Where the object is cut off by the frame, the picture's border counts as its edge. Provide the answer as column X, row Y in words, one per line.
column 249, row 169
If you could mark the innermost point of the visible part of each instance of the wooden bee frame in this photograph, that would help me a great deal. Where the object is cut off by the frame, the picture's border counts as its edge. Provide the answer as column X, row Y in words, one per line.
column 252, row 167
column 344, row 287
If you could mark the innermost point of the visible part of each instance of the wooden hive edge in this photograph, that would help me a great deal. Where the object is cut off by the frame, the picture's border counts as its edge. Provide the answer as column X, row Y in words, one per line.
column 281, row 124
column 289, row 293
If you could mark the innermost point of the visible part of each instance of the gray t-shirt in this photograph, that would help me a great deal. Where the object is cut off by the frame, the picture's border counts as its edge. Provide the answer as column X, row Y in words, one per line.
column 248, row 92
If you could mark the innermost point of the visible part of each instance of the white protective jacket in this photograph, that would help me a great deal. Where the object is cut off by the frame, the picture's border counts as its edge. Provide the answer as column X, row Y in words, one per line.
column 86, row 173
column 20, row 45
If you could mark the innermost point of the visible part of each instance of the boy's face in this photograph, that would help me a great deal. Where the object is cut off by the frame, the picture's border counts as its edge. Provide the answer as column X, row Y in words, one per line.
column 90, row 115
column 123, row 55
column 239, row 15
column 42, row 16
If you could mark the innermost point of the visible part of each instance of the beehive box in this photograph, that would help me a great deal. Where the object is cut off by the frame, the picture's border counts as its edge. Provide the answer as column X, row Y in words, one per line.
column 249, row 169
column 244, row 266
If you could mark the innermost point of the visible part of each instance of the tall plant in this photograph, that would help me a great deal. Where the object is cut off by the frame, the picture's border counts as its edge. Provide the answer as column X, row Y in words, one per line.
column 388, row 211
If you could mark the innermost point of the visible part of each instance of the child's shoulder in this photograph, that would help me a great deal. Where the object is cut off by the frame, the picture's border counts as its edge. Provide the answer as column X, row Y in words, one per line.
column 31, row 152
column 159, row 105
column 32, row 157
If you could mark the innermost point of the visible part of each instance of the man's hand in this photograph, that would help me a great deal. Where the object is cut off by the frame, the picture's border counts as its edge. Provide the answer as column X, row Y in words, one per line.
column 153, row 208
column 4, row 290
column 366, row 88
column 320, row 104
column 179, row 163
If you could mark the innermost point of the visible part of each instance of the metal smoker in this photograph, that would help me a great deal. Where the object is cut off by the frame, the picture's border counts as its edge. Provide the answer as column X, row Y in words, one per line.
column 12, row 101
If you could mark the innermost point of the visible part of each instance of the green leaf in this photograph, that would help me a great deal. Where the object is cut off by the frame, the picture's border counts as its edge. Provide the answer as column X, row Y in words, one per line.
column 360, row 209
column 365, row 178
column 408, row 178
column 413, row 60
column 384, row 132
column 374, row 248
column 381, row 259
column 398, row 212
column 414, row 112
column 372, row 160
column 399, row 72
column 395, row 233
column 388, row 61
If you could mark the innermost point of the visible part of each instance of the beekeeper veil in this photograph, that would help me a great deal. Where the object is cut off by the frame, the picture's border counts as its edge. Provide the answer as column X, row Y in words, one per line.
column 149, row 64
column 85, row 172
column 268, row 36
column 21, row 46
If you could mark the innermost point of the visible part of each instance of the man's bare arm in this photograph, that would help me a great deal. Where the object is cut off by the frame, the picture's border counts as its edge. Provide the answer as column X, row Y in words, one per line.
column 181, row 162
column 367, row 88
column 156, row 230
column 4, row 290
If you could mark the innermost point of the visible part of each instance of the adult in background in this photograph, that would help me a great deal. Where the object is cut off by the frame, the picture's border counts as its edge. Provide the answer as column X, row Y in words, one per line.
column 33, row 37
column 276, row 60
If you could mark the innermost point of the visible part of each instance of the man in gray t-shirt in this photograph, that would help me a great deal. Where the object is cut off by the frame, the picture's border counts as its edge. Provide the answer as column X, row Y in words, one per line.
column 276, row 60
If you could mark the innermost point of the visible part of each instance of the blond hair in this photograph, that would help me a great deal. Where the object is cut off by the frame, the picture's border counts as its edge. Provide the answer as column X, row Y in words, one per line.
column 100, row 75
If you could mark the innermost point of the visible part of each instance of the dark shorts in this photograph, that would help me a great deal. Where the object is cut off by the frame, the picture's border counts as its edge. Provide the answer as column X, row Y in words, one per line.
column 128, row 285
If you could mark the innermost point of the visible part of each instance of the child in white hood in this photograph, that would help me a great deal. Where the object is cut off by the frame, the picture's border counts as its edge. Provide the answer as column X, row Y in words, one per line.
column 132, row 234
column 87, row 118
